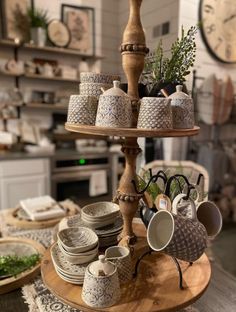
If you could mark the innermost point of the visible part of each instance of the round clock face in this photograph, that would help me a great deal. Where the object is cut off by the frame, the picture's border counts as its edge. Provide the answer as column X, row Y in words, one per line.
column 218, row 18
column 58, row 33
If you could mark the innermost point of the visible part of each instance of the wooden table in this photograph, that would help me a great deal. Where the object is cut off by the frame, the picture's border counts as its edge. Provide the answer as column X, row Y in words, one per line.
column 154, row 289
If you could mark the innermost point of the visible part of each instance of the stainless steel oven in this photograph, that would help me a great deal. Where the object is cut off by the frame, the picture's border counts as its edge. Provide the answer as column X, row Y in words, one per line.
column 71, row 173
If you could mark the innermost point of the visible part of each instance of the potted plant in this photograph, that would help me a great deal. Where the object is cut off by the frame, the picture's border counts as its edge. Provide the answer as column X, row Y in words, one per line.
column 38, row 24
column 163, row 72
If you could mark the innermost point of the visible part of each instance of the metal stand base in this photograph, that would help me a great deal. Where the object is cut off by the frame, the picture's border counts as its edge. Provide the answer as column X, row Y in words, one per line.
column 175, row 261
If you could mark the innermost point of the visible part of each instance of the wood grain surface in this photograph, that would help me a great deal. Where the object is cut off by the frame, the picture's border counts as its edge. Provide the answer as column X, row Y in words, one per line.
column 132, row 132
column 11, row 283
column 154, row 289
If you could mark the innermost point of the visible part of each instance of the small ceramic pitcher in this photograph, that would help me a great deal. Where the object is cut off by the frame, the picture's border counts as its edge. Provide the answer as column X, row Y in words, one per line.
column 101, row 286
column 114, row 108
column 182, row 109
column 121, row 257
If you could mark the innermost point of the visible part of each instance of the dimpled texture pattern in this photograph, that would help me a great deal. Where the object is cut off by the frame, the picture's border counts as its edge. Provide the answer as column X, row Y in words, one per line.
column 88, row 77
column 114, row 111
column 183, row 113
column 93, row 89
column 189, row 240
column 82, row 110
column 155, row 113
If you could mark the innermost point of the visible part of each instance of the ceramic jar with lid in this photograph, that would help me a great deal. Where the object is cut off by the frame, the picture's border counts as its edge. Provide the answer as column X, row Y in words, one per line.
column 182, row 109
column 114, row 108
column 101, row 286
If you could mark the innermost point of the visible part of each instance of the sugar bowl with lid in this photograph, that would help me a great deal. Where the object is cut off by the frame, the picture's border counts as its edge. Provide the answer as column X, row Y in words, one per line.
column 182, row 109
column 101, row 286
column 114, row 108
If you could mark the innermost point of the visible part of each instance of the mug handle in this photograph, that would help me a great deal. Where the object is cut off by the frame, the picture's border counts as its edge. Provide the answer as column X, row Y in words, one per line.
column 177, row 199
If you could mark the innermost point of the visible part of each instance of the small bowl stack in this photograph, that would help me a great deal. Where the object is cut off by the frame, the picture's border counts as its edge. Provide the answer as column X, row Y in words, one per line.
column 79, row 245
column 93, row 83
column 105, row 219
column 100, row 214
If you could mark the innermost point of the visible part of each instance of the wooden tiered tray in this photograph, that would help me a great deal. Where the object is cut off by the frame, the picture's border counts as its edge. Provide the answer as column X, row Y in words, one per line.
column 156, row 287
column 132, row 132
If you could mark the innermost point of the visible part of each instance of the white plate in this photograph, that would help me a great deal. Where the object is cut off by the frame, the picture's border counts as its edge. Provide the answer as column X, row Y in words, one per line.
column 59, row 261
column 70, row 280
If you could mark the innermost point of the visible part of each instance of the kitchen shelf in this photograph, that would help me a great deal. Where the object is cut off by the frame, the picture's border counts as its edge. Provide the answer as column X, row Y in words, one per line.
column 28, row 46
column 36, row 76
column 52, row 107
column 51, row 49
column 132, row 132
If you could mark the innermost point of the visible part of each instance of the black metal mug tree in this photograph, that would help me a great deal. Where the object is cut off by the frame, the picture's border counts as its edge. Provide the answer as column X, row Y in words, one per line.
column 167, row 182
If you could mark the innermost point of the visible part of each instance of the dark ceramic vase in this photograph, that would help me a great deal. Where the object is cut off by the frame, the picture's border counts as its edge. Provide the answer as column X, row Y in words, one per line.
column 142, row 89
column 168, row 89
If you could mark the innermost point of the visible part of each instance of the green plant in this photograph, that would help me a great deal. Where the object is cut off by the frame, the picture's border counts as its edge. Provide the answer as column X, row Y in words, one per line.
column 175, row 68
column 37, row 18
column 13, row 265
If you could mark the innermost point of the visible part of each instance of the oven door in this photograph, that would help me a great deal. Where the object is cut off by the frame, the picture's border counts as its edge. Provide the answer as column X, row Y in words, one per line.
column 76, row 184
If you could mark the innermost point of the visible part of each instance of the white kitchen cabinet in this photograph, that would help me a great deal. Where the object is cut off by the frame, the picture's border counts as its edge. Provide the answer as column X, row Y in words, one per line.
column 20, row 179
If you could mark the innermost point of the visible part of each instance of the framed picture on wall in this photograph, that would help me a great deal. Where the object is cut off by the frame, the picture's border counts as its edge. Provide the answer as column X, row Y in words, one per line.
column 80, row 21
column 14, row 21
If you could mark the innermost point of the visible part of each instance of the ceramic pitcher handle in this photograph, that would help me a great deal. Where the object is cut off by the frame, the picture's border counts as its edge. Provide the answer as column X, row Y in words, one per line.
column 176, row 201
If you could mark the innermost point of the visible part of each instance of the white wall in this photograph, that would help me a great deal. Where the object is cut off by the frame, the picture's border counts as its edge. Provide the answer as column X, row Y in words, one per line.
column 153, row 12
column 205, row 64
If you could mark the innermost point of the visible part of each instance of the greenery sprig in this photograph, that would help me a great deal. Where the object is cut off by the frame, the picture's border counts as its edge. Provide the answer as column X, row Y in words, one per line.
column 174, row 69
column 37, row 18
column 13, row 265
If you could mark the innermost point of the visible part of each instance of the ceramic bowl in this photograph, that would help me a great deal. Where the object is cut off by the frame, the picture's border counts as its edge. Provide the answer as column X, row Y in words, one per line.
column 100, row 210
column 77, row 239
column 93, row 89
column 99, row 224
column 80, row 254
column 82, row 109
column 75, row 259
column 89, row 77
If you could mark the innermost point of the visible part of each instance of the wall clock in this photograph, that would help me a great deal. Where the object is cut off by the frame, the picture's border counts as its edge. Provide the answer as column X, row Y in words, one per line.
column 58, row 34
column 218, row 28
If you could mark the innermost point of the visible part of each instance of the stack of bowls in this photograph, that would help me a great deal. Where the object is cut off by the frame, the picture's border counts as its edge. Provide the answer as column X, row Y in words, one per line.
column 79, row 245
column 100, row 214
column 93, row 83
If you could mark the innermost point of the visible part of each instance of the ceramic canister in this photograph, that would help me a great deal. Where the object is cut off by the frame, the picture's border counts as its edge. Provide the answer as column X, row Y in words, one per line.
column 114, row 108
column 101, row 286
column 82, row 110
column 182, row 109
column 155, row 113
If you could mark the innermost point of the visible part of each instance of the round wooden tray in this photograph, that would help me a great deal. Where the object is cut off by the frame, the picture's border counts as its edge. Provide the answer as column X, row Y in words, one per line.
column 132, row 132
column 11, row 283
column 10, row 216
column 156, row 287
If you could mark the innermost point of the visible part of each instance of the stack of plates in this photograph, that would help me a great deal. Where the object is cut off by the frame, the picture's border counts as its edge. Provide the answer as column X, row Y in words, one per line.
column 100, row 214
column 107, row 235
column 71, row 273
column 78, row 244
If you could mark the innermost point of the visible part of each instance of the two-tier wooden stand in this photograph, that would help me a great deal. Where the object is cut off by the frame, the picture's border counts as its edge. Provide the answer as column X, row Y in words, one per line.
column 156, row 286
